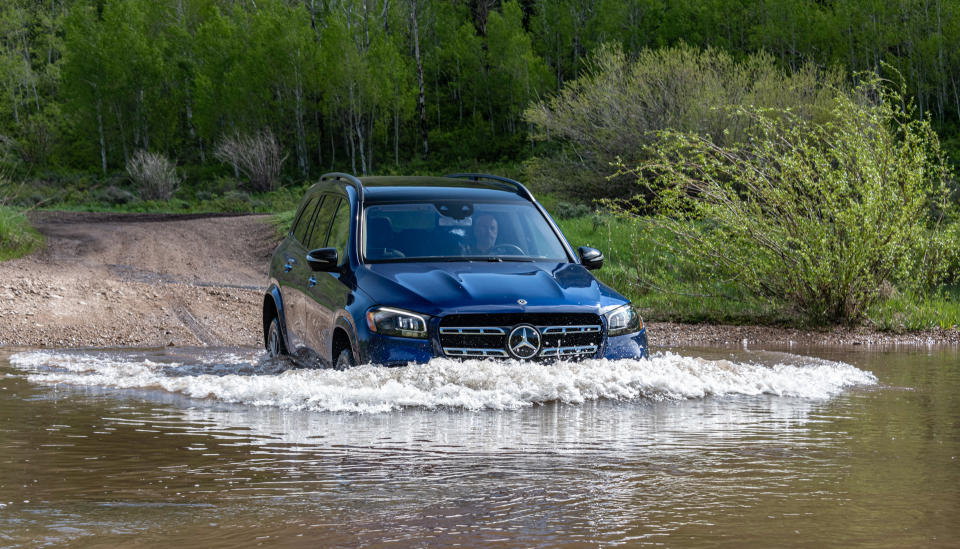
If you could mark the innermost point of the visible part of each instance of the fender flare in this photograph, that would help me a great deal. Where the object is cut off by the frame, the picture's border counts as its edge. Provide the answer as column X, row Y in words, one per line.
column 345, row 322
column 273, row 293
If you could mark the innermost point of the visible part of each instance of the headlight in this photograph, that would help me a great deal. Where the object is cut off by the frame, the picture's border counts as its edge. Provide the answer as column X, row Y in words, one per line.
column 397, row 322
column 623, row 320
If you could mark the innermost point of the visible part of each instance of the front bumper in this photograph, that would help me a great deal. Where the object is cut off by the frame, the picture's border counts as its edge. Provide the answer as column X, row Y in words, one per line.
column 627, row 346
column 400, row 351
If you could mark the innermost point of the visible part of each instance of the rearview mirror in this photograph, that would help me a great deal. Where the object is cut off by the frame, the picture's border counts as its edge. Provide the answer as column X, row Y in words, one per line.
column 323, row 259
column 590, row 258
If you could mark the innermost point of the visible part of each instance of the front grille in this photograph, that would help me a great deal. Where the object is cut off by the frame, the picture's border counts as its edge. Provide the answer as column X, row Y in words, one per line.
column 574, row 335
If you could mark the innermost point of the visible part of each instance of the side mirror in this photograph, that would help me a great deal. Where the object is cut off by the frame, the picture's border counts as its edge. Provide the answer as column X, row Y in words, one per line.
column 323, row 259
column 590, row 258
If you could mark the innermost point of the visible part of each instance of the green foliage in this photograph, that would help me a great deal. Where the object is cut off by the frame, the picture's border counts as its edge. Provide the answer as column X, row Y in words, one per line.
column 817, row 215
column 667, row 288
column 899, row 313
column 619, row 105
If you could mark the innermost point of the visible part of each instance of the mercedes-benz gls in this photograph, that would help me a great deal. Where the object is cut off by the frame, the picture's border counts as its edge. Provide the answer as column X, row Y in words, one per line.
column 393, row 270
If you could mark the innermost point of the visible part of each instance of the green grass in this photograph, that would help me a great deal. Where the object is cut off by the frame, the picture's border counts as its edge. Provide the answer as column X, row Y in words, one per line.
column 666, row 289
column 903, row 313
column 282, row 221
column 17, row 237
column 659, row 284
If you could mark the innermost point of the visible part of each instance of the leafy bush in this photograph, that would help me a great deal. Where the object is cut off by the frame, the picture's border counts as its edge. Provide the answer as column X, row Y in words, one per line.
column 814, row 215
column 618, row 107
column 259, row 157
column 950, row 247
column 154, row 175
column 114, row 195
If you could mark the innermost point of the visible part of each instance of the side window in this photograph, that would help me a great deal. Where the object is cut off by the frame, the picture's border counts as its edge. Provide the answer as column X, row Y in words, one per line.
column 302, row 223
column 340, row 230
column 321, row 224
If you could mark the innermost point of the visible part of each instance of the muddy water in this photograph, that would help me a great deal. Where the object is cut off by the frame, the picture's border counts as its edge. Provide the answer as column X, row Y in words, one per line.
column 698, row 448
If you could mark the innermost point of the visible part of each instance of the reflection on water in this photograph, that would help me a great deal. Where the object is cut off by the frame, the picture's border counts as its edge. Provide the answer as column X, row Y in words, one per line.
column 221, row 448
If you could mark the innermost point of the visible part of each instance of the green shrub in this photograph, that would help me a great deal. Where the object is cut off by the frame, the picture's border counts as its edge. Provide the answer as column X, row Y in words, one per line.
column 950, row 247
column 616, row 109
column 815, row 215
column 114, row 196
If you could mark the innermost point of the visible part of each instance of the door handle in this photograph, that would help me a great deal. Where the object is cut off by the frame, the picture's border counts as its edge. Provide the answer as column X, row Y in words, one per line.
column 289, row 265
column 313, row 281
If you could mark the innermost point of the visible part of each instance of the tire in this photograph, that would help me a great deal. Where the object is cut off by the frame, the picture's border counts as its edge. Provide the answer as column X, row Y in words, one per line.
column 344, row 360
column 274, row 342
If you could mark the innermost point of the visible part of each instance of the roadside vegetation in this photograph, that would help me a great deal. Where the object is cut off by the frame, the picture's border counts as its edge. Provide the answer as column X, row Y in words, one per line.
column 17, row 237
column 669, row 289
column 834, row 207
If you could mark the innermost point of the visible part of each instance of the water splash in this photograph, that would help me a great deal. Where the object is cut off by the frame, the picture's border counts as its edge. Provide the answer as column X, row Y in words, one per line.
column 471, row 384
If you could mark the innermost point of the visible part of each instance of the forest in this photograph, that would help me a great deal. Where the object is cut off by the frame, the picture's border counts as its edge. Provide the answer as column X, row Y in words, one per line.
column 388, row 86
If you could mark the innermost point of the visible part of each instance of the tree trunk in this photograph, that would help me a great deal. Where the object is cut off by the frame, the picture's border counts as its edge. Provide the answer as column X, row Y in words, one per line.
column 358, row 126
column 421, row 99
column 103, row 141
column 123, row 138
column 301, row 144
column 13, row 101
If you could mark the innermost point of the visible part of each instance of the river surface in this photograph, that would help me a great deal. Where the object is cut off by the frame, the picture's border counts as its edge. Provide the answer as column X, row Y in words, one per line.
column 693, row 448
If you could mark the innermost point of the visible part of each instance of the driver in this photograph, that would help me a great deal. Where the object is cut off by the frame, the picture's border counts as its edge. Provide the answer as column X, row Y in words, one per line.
column 484, row 233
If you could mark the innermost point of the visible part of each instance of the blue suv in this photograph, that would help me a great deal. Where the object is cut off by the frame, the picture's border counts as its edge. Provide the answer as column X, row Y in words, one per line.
column 393, row 270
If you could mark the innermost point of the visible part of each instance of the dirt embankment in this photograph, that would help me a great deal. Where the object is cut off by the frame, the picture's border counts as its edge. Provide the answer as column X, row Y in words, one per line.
column 143, row 280
column 155, row 280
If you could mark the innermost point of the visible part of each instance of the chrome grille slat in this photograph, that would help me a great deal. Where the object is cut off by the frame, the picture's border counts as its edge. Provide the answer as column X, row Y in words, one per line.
column 473, row 330
column 568, row 351
column 563, row 330
column 459, row 351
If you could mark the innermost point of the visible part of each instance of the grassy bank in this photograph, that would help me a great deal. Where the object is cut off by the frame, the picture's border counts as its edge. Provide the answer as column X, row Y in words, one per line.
column 666, row 292
column 17, row 237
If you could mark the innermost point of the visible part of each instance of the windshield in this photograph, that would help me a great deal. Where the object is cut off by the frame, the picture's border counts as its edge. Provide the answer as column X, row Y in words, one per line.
column 457, row 231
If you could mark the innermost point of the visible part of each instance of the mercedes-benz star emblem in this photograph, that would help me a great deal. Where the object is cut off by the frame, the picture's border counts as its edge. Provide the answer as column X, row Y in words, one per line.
column 524, row 342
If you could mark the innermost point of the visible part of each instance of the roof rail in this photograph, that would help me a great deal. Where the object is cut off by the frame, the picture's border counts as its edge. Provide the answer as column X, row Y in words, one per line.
column 521, row 190
column 346, row 178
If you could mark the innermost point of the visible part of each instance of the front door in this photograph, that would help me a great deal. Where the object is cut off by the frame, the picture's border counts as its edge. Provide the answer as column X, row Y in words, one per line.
column 317, row 314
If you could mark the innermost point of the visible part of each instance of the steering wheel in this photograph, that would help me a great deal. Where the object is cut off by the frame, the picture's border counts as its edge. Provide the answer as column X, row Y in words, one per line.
column 508, row 249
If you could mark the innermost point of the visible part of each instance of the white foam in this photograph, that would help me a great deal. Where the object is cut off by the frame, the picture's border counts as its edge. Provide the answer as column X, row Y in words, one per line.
column 469, row 384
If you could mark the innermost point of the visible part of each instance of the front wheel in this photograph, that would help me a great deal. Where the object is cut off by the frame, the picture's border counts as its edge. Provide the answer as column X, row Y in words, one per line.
column 345, row 360
column 274, row 342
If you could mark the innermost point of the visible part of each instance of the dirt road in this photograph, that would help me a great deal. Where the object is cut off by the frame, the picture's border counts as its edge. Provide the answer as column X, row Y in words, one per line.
column 155, row 280
column 143, row 280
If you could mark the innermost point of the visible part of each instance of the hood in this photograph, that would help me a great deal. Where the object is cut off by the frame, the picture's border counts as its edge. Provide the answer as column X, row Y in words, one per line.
column 464, row 287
